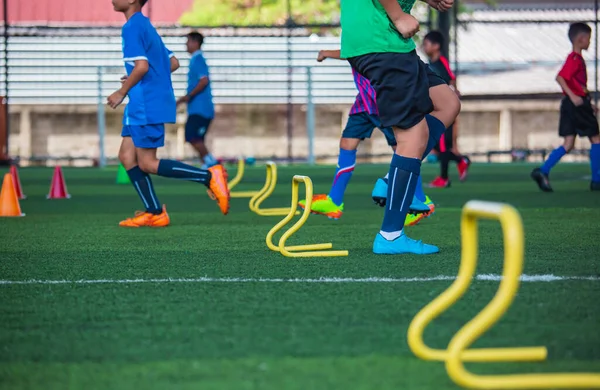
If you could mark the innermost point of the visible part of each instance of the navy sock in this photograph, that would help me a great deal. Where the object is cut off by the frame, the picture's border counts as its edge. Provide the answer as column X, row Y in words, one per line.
column 143, row 185
column 553, row 159
column 595, row 162
column 179, row 170
column 345, row 167
column 404, row 173
column 419, row 193
column 436, row 130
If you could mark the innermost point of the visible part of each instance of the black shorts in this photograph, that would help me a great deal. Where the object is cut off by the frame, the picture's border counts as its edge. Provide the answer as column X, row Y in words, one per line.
column 446, row 141
column 577, row 120
column 196, row 128
column 401, row 82
column 361, row 126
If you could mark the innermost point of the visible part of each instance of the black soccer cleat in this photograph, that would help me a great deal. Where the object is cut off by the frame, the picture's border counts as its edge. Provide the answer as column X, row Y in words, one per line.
column 595, row 186
column 541, row 179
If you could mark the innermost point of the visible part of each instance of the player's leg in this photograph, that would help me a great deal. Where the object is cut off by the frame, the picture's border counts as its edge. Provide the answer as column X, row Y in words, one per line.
column 196, row 128
column 403, row 101
column 587, row 125
column 151, row 137
column 154, row 215
column 442, row 180
column 595, row 162
column 566, row 129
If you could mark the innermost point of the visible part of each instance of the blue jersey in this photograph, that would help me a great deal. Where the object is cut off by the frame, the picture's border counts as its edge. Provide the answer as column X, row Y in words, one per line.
column 152, row 100
column 202, row 103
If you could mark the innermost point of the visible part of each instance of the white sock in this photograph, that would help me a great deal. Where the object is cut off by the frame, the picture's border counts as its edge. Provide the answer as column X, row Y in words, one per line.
column 390, row 236
column 387, row 176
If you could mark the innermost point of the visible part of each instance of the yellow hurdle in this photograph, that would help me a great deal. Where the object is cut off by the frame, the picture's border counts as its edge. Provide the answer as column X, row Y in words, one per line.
column 236, row 180
column 311, row 250
column 262, row 194
column 458, row 352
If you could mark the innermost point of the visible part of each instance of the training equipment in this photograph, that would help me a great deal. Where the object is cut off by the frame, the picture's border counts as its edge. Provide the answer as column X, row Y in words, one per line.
column 9, row 201
column 457, row 352
column 311, row 250
column 262, row 194
column 58, row 187
column 235, row 181
column 14, row 172
column 122, row 176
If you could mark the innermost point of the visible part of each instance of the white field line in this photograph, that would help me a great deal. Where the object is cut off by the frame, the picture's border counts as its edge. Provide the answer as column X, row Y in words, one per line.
column 484, row 277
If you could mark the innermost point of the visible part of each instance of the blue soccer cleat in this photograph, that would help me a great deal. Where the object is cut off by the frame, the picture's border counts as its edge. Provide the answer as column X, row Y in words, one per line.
column 379, row 195
column 402, row 245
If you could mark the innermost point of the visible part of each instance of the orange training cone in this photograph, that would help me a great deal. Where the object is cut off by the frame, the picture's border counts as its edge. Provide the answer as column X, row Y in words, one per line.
column 17, row 182
column 9, row 202
column 58, row 187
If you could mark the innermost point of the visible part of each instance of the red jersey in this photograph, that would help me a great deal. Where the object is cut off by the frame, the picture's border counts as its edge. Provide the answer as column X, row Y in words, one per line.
column 575, row 74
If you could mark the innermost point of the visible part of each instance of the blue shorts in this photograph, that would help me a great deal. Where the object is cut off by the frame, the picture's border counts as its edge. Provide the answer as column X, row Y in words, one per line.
column 196, row 128
column 361, row 126
column 145, row 136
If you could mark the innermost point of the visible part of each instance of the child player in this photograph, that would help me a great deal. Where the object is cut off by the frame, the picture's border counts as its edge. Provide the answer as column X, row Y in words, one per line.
column 363, row 119
column 377, row 41
column 446, row 148
column 577, row 116
column 152, row 104
column 200, row 107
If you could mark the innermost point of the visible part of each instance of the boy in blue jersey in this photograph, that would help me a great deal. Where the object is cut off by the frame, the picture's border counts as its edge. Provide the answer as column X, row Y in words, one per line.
column 200, row 107
column 152, row 104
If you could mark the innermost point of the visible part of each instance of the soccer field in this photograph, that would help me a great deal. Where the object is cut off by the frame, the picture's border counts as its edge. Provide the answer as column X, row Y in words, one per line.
column 203, row 304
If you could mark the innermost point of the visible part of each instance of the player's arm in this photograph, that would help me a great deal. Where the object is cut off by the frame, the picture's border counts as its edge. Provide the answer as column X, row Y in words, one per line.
column 577, row 100
column 138, row 72
column 202, row 70
column 333, row 54
column 406, row 24
column 174, row 63
column 440, row 5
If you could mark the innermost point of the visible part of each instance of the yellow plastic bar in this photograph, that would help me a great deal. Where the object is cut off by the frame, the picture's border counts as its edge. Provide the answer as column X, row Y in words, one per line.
column 512, row 229
column 310, row 250
column 265, row 192
column 238, row 175
column 458, row 288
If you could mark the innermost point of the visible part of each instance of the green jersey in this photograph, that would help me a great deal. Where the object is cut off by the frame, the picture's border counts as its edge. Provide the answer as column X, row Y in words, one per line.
column 366, row 29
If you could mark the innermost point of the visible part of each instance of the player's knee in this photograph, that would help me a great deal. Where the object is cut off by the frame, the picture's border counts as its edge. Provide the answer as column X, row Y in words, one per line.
column 148, row 165
column 595, row 139
column 127, row 158
column 569, row 146
column 349, row 143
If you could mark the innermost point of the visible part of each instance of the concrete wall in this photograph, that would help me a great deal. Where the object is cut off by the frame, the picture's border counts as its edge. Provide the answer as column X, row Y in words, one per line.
column 260, row 131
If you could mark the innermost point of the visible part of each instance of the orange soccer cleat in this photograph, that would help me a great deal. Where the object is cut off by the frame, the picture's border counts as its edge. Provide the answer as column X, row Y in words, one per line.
column 218, row 189
column 143, row 218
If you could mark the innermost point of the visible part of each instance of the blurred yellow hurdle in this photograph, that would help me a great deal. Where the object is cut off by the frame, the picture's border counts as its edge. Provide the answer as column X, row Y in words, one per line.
column 236, row 180
column 311, row 250
column 262, row 194
column 458, row 352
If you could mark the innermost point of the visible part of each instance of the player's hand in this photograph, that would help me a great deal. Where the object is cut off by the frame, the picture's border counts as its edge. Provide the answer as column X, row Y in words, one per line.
column 115, row 99
column 123, row 79
column 577, row 100
column 444, row 5
column 183, row 99
column 321, row 57
column 407, row 25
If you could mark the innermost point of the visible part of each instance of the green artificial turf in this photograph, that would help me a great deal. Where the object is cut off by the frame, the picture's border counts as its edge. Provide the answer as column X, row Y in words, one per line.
column 226, row 334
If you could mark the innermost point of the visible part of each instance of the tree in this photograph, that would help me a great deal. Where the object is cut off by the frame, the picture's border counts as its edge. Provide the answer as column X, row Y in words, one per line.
column 260, row 12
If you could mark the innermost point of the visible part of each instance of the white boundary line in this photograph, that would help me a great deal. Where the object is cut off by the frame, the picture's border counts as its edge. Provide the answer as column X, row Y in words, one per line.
column 206, row 279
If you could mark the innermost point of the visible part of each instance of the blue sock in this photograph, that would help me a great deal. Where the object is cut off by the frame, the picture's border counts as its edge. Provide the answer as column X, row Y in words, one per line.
column 179, row 170
column 404, row 173
column 143, row 185
column 553, row 159
column 419, row 193
column 345, row 167
column 210, row 160
column 595, row 162
column 436, row 129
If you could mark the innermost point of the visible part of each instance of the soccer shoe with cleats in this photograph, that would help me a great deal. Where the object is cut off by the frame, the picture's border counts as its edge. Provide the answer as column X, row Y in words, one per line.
column 440, row 182
column 541, row 179
column 463, row 168
column 218, row 189
column 144, row 218
column 379, row 195
column 429, row 204
column 323, row 205
column 402, row 245
column 414, row 219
